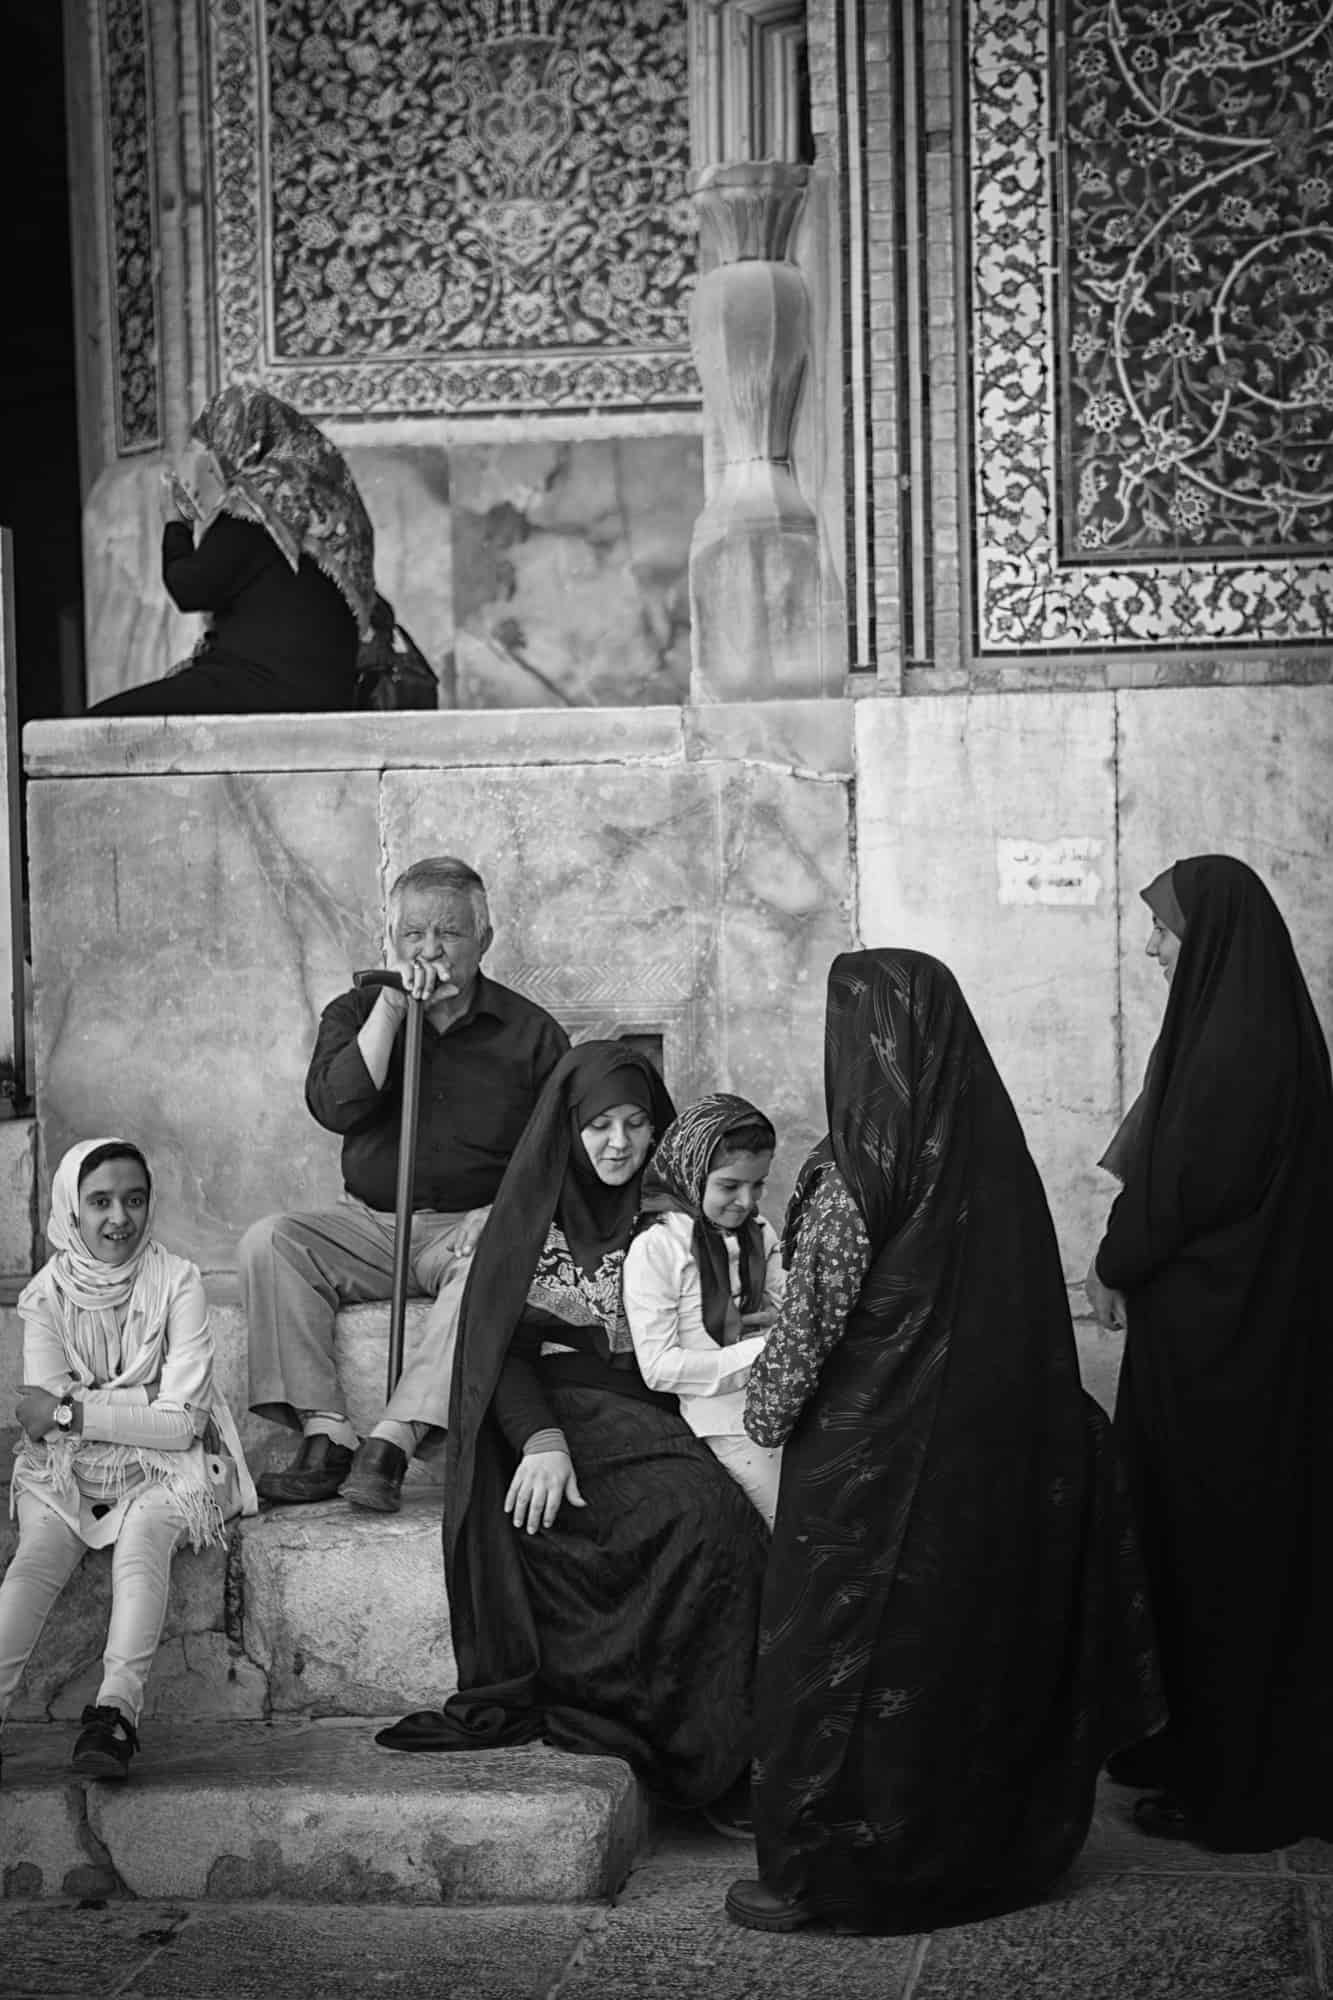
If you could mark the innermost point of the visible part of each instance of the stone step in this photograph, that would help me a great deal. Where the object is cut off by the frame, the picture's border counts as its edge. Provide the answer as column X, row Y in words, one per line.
column 321, row 1610
column 313, row 1812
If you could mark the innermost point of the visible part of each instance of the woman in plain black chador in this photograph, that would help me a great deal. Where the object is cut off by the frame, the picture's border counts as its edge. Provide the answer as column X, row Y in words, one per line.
column 1215, row 1259
column 603, row 1571
column 954, row 1629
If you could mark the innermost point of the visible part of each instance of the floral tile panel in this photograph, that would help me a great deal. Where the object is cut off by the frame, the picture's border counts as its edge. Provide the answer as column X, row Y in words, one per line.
column 1152, row 218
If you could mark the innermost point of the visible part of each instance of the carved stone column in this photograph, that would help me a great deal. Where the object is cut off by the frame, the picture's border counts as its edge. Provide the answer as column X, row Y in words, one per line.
column 754, row 558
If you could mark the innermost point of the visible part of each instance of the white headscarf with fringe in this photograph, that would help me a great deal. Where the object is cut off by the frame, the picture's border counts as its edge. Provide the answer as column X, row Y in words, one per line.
column 113, row 1316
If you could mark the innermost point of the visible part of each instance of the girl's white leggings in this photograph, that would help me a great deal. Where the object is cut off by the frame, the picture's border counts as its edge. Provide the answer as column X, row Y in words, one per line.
column 47, row 1556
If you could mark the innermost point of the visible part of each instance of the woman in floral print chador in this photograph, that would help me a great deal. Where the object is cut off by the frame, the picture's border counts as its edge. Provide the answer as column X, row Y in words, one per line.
column 954, row 1630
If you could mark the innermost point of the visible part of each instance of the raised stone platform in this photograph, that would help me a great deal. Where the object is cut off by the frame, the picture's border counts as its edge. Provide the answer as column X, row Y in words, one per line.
column 314, row 1813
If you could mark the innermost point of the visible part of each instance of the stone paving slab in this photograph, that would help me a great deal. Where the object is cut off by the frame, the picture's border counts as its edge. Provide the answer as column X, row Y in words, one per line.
column 1149, row 1932
column 1149, row 1937
column 315, row 1812
column 669, row 1938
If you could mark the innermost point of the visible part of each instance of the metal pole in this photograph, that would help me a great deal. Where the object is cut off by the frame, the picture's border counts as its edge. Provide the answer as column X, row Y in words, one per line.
column 407, row 1170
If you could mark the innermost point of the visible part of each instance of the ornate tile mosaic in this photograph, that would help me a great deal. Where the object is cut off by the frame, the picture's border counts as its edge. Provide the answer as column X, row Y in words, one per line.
column 476, row 207
column 1152, row 323
column 131, row 225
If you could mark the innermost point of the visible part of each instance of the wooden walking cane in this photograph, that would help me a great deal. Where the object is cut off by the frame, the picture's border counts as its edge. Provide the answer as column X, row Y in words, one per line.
column 407, row 1168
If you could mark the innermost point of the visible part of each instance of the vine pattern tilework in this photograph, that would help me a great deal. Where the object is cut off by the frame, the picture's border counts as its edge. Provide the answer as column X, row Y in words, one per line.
column 476, row 207
column 132, row 226
column 1166, row 482
column 1198, row 216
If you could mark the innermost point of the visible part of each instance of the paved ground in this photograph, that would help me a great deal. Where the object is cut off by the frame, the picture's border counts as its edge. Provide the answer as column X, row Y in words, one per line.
column 1139, row 1921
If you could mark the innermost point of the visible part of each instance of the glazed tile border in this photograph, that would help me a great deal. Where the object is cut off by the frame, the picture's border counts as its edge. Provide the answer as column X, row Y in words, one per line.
column 131, row 225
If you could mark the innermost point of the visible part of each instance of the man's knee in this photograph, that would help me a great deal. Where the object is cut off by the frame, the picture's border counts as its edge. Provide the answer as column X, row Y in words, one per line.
column 272, row 1236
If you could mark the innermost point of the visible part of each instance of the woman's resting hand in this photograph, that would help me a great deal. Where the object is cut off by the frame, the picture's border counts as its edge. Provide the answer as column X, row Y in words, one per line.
column 543, row 1480
column 1108, row 1307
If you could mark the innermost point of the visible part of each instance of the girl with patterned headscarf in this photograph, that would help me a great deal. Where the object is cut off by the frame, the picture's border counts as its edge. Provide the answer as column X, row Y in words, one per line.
column 283, row 567
column 705, row 1281
column 126, row 1442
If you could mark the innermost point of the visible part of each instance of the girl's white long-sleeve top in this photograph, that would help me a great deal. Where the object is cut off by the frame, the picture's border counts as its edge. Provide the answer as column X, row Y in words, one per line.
column 664, row 1309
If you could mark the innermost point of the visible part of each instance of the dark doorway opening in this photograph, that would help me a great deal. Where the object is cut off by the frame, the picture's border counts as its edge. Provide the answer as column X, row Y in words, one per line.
column 40, row 496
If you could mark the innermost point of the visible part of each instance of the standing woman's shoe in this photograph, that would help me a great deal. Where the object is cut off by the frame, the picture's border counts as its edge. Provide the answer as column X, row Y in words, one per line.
column 105, row 1744
column 759, row 1908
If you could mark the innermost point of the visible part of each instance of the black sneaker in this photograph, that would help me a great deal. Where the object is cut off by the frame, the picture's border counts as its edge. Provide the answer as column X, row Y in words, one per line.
column 106, row 1743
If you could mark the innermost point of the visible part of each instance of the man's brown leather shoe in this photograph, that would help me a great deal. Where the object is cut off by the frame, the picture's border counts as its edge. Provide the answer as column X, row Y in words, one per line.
column 376, row 1478
column 316, row 1473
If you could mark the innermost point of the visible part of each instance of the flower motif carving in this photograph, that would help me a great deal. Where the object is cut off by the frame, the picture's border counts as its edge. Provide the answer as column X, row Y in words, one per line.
column 1152, row 470
column 132, row 222
column 475, row 206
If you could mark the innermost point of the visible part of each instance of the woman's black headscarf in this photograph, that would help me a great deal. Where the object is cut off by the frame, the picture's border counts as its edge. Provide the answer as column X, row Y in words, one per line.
column 677, row 1179
column 1239, row 1036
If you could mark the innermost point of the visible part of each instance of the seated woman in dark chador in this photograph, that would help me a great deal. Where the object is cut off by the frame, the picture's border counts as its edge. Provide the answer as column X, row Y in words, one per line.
column 1215, row 1257
column 283, row 566
column 603, row 1571
column 954, row 1627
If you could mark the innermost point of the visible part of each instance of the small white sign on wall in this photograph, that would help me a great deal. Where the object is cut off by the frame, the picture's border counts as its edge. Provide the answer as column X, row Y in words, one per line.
column 1061, row 872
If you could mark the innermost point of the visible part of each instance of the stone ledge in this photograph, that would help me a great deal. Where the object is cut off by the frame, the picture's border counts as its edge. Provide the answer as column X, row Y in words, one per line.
column 805, row 733
column 315, row 1812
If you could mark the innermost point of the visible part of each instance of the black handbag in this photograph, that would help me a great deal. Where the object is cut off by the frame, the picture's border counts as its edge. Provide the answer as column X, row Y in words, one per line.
column 391, row 669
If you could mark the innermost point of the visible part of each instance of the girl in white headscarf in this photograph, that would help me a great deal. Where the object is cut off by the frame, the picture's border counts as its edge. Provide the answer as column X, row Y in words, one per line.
column 126, row 1441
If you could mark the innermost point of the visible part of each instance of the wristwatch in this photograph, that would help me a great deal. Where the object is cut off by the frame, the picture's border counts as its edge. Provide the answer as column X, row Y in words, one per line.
column 63, row 1413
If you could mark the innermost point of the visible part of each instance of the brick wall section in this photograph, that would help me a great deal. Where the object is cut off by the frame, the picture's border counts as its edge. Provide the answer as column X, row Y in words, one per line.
column 944, row 171
column 878, row 145
column 852, row 83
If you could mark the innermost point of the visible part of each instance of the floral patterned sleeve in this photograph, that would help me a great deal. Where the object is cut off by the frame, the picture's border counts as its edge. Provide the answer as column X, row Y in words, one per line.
column 823, row 1284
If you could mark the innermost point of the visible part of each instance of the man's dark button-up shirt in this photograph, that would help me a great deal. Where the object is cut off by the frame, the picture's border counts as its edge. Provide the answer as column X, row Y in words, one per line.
column 479, row 1082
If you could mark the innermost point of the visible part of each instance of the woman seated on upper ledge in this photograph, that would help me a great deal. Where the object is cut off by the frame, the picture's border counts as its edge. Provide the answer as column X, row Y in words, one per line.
column 284, row 567
column 603, row 1571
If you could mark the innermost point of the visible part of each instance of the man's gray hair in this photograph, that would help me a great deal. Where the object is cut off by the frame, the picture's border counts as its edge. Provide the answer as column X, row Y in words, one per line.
column 447, row 873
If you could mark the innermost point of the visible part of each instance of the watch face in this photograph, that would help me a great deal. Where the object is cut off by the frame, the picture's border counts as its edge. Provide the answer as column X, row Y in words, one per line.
column 64, row 1415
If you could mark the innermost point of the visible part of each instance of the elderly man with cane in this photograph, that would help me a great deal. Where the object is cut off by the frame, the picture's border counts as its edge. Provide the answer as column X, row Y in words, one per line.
column 482, row 1053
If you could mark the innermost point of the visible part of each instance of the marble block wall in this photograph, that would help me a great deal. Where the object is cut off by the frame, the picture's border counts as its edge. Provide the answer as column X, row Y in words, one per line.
column 570, row 571
column 200, row 890
column 1010, row 836
column 531, row 574
column 656, row 870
